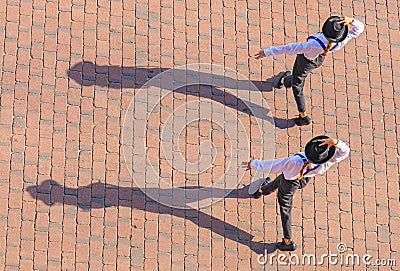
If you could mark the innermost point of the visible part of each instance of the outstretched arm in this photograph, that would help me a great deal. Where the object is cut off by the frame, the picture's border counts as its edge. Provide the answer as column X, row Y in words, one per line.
column 271, row 166
column 289, row 49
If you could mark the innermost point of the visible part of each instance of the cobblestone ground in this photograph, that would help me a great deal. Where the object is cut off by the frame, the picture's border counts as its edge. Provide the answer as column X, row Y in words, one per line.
column 69, row 71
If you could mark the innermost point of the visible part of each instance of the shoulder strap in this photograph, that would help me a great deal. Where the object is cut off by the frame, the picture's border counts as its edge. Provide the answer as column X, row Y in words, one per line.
column 302, row 157
column 302, row 172
column 321, row 43
column 318, row 40
column 334, row 46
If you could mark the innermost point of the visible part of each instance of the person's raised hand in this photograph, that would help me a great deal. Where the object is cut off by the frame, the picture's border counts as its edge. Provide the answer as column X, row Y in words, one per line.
column 346, row 20
column 329, row 142
column 259, row 55
column 247, row 165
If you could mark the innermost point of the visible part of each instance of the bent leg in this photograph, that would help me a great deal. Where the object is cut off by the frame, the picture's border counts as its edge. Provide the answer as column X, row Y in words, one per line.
column 272, row 186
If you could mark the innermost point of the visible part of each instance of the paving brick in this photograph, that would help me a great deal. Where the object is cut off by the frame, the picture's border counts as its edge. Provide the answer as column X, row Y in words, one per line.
column 61, row 120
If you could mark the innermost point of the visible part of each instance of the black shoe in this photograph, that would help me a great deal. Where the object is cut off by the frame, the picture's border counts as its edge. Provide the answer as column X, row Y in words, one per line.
column 282, row 246
column 287, row 81
column 278, row 80
column 258, row 194
column 267, row 181
column 302, row 121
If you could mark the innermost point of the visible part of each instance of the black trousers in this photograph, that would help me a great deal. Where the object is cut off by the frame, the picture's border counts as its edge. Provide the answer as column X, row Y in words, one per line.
column 301, row 68
column 286, row 190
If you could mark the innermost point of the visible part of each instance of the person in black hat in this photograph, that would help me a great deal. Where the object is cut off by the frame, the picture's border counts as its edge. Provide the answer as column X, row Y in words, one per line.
column 310, row 55
column 295, row 172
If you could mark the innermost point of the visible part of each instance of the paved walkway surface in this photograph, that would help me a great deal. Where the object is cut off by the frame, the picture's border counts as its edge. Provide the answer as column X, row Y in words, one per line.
column 69, row 71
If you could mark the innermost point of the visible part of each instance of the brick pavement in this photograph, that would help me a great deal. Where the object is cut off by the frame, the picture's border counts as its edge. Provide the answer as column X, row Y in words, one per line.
column 68, row 74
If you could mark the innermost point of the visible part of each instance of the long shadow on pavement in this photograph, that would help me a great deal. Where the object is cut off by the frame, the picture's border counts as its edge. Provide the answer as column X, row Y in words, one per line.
column 100, row 195
column 88, row 74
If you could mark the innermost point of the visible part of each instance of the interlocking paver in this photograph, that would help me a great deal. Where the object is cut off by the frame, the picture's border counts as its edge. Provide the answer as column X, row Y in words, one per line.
column 68, row 73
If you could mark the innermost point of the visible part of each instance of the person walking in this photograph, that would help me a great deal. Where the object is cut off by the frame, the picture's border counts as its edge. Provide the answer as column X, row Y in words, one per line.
column 295, row 172
column 310, row 55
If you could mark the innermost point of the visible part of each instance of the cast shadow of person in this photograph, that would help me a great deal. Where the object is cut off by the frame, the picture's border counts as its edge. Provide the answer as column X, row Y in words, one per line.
column 100, row 195
column 88, row 74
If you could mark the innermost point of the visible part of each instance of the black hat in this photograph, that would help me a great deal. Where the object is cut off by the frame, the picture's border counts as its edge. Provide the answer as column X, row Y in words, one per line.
column 319, row 154
column 333, row 30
